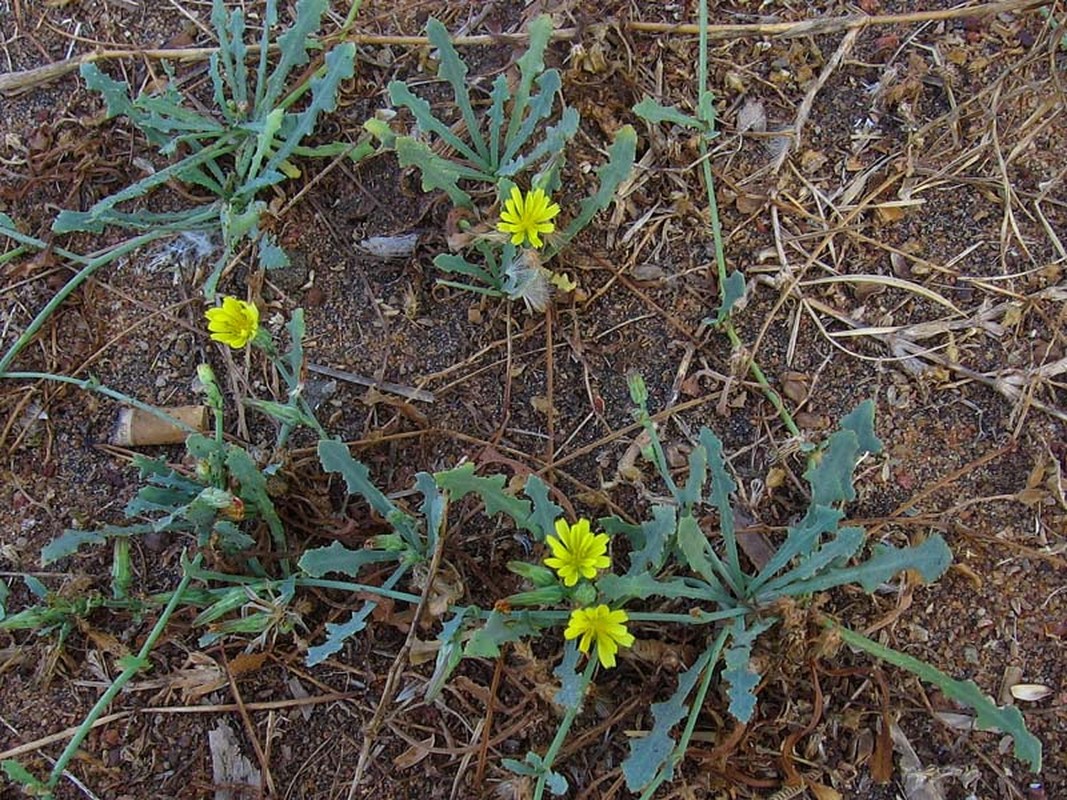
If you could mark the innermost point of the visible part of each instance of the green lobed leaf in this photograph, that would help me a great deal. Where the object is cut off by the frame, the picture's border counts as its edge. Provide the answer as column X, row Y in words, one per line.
column 830, row 473
column 731, row 292
column 611, row 176
column 499, row 629
column 531, row 64
column 449, row 652
column 434, row 507
column 292, row 48
column 447, row 262
column 692, row 493
column 66, row 544
column 253, row 490
column 498, row 98
column 337, row 635
column 650, row 551
column 31, row 785
column 649, row 754
column 989, row 716
column 652, row 112
column 722, row 486
column 845, row 544
column 437, row 172
column 401, row 95
column 545, row 512
column 698, row 553
column 321, row 561
column 454, row 70
column 335, row 456
column 800, row 539
column 339, row 66
column 930, row 559
column 539, row 109
column 570, row 679
column 461, row 481
column 553, row 144
column 620, row 588
column 741, row 681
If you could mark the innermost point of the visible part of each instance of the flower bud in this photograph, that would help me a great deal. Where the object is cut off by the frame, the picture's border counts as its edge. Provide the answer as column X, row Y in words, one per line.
column 534, row 573
column 545, row 596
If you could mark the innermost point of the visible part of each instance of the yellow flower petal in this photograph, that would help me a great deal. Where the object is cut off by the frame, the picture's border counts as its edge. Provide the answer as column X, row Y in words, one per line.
column 234, row 323
column 526, row 217
column 577, row 552
column 600, row 625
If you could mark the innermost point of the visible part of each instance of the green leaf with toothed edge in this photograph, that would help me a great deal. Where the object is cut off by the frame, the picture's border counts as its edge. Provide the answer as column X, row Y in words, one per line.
column 545, row 512
column 452, row 68
column 461, row 481
column 651, row 752
column 989, row 716
column 652, row 112
column 570, row 679
column 67, row 544
column 436, row 172
column 321, row 561
column 741, row 681
column 449, row 652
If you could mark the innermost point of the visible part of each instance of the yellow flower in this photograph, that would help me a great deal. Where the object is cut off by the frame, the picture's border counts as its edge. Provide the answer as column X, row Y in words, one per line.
column 526, row 218
column 235, row 322
column 577, row 551
column 602, row 625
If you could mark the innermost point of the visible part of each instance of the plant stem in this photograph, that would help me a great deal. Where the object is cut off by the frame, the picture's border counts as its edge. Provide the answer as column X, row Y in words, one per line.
column 91, row 385
column 91, row 266
column 564, row 729
column 123, row 678
column 706, row 112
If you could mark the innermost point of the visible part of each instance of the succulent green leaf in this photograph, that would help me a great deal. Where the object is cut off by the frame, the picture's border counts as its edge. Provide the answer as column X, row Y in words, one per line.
column 989, row 716
column 620, row 588
column 448, row 262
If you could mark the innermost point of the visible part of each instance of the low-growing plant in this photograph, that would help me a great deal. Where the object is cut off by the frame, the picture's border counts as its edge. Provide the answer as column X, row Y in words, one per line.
column 674, row 557
column 245, row 147
column 513, row 138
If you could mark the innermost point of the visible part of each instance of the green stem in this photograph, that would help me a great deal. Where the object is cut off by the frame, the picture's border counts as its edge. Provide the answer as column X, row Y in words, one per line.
column 124, row 677
column 91, row 385
column 91, row 266
column 705, row 111
column 563, row 730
